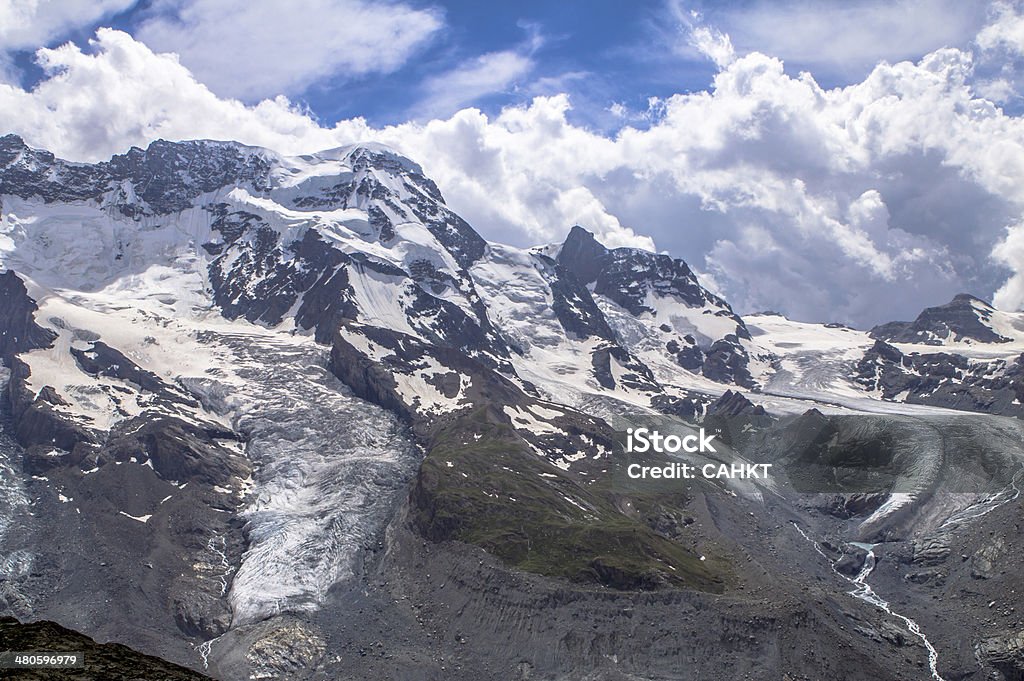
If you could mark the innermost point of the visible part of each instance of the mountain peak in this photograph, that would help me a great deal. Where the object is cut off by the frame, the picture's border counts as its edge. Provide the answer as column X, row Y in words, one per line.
column 968, row 298
column 965, row 318
column 363, row 155
column 12, row 140
column 579, row 232
column 583, row 255
column 13, row 148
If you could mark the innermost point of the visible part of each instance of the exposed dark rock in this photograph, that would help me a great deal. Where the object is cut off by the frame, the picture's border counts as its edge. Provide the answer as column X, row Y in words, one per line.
column 627, row 276
column 635, row 376
column 929, row 577
column 726, row 362
column 102, row 360
column 106, row 662
column 178, row 450
column 732, row 404
column 931, row 550
column 368, row 379
column 985, row 561
column 690, row 408
column 41, row 459
column 201, row 614
column 1005, row 652
column 583, row 255
column 36, row 418
column 575, row 308
column 807, row 435
column 690, row 356
column 18, row 329
column 895, row 635
column 167, row 176
column 944, row 379
column 963, row 318
column 851, row 505
column 735, row 419
column 852, row 561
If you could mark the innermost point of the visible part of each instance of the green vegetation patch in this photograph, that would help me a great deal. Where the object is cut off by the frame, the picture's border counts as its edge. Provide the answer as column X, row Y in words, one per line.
column 483, row 485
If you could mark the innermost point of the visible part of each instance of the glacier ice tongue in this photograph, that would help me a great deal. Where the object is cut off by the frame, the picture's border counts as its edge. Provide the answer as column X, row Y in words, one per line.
column 327, row 468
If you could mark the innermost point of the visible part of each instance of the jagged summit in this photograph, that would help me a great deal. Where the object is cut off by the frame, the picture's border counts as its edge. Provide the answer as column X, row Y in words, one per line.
column 166, row 176
column 371, row 153
column 696, row 327
column 14, row 143
column 965, row 319
column 582, row 254
column 632, row 274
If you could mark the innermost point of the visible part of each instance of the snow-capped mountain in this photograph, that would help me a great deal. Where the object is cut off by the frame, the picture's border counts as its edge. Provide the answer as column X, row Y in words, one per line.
column 965, row 320
column 964, row 355
column 164, row 307
column 657, row 306
column 259, row 384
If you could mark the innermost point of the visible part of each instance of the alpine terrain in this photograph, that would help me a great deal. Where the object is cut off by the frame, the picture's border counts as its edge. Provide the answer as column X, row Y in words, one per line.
column 274, row 417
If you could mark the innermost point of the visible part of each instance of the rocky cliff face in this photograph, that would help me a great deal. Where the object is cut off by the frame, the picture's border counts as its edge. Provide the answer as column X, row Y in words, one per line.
column 18, row 329
column 944, row 379
column 696, row 329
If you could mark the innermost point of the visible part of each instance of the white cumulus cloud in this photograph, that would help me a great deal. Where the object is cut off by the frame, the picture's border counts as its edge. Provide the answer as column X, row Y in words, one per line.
column 28, row 24
column 1006, row 31
column 122, row 94
column 906, row 187
column 258, row 48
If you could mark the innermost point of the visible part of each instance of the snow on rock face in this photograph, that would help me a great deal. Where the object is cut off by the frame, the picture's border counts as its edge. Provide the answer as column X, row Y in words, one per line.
column 966, row 320
column 518, row 296
column 401, row 372
column 529, row 419
column 86, row 246
column 811, row 359
column 115, row 355
column 246, row 209
column 165, row 178
column 402, row 210
column 350, row 234
column 660, row 312
column 994, row 385
column 326, row 465
column 832, row 361
column 563, row 343
column 359, row 234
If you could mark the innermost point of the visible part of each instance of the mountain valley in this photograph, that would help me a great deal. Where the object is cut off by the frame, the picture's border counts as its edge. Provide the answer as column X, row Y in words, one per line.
column 271, row 416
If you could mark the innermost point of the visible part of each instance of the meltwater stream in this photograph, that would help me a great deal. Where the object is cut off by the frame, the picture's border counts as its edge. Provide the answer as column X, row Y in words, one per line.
column 864, row 592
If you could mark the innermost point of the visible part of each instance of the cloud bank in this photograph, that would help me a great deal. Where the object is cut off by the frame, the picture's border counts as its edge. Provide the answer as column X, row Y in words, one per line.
column 862, row 203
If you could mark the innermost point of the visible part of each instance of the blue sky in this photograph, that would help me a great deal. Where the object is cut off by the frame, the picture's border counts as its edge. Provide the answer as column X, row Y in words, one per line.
column 810, row 157
column 602, row 52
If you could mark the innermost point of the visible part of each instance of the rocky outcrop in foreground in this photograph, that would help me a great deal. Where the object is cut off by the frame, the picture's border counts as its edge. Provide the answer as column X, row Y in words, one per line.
column 103, row 661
